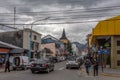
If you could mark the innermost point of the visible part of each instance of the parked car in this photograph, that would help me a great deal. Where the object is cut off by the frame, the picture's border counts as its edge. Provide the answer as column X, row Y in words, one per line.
column 42, row 65
column 60, row 59
column 19, row 62
column 72, row 63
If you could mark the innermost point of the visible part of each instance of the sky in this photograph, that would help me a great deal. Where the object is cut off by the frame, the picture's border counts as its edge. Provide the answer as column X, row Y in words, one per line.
column 77, row 17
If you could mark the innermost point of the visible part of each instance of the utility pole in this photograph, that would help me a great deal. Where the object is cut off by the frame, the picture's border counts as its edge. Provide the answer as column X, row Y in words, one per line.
column 14, row 16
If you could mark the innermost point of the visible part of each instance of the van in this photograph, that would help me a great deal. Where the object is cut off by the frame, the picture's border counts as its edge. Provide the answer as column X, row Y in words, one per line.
column 19, row 62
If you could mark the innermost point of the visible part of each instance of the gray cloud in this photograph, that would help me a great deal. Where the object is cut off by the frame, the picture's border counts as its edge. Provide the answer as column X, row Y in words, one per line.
column 79, row 10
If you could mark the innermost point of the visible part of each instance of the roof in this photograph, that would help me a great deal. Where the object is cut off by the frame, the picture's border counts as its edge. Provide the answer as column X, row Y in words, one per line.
column 49, row 36
column 108, row 27
column 6, row 45
column 15, row 49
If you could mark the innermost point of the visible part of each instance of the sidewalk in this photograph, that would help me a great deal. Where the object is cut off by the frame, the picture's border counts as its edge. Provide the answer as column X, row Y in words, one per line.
column 106, row 72
column 110, row 72
column 2, row 70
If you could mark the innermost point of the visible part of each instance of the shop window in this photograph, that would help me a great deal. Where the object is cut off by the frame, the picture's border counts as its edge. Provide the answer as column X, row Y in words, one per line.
column 118, row 51
column 118, row 43
column 118, row 63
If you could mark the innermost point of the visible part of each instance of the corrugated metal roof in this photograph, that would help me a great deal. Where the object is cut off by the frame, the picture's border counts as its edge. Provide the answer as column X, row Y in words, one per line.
column 108, row 27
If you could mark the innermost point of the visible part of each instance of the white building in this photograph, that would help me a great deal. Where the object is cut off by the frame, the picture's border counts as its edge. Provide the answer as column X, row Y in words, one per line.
column 75, row 49
column 21, row 38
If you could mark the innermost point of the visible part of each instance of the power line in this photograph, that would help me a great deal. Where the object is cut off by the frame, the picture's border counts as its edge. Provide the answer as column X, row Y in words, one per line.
column 86, row 10
column 68, row 16
column 64, row 22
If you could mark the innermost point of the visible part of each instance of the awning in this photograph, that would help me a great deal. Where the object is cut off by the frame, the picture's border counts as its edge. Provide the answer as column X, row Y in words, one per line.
column 17, row 50
column 13, row 48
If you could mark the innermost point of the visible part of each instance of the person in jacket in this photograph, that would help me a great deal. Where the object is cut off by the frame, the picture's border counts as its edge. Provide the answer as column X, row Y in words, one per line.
column 95, row 67
column 87, row 65
column 7, row 66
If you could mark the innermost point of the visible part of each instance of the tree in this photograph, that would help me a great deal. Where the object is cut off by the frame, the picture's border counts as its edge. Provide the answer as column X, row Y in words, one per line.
column 69, row 47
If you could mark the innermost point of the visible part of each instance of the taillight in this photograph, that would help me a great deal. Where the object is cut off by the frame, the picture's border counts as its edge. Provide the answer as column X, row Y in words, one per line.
column 44, row 65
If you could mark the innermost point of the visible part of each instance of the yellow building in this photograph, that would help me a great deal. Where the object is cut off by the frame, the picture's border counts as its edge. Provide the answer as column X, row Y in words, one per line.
column 108, row 30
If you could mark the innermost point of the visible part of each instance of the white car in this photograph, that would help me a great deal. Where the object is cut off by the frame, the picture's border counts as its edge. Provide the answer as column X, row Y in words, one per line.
column 19, row 62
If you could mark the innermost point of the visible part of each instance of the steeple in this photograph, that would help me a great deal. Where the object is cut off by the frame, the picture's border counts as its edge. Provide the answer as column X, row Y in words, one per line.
column 63, row 35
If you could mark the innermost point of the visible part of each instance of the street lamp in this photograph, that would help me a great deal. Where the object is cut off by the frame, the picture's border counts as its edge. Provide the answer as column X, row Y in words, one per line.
column 29, row 53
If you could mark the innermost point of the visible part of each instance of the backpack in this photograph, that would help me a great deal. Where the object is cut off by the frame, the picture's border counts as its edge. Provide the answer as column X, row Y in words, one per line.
column 88, row 63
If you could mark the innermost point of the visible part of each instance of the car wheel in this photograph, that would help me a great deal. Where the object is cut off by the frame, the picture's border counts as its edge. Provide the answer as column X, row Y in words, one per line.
column 32, row 71
column 53, row 69
column 14, row 68
column 48, row 70
column 23, row 68
column 66, row 67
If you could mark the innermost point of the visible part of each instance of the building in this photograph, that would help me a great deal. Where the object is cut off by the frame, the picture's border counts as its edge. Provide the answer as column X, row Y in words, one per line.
column 7, row 50
column 75, row 50
column 64, row 38
column 105, row 40
column 21, row 38
column 49, row 42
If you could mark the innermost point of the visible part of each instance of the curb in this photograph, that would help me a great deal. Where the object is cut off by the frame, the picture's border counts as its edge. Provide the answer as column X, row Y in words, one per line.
column 110, row 74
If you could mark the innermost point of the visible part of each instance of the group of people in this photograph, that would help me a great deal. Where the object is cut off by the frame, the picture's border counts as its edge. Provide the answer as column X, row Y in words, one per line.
column 89, row 62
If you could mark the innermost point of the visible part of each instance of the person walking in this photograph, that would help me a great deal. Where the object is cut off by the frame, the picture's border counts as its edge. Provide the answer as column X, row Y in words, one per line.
column 87, row 65
column 1, row 62
column 95, row 67
column 7, row 66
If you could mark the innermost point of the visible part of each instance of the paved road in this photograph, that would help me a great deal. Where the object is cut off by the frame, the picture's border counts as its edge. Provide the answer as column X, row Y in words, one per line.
column 60, row 73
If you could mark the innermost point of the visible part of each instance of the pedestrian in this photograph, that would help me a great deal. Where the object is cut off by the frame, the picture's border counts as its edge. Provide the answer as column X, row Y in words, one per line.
column 7, row 66
column 87, row 65
column 1, row 62
column 95, row 67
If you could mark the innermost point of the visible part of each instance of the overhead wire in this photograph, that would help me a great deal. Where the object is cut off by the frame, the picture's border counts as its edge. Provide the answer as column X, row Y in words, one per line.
column 72, row 16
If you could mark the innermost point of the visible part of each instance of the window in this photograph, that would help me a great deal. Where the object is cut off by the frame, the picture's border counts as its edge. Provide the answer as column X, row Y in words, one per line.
column 118, row 63
column 35, row 37
column 118, row 43
column 118, row 51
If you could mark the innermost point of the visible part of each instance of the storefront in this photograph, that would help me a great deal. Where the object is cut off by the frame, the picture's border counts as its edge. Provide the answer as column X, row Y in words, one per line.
column 106, row 36
column 3, row 55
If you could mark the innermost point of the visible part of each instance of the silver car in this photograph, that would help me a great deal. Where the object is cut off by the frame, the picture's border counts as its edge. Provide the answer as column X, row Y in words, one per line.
column 72, row 63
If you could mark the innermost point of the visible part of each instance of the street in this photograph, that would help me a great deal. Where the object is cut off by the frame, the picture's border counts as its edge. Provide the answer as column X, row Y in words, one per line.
column 60, row 73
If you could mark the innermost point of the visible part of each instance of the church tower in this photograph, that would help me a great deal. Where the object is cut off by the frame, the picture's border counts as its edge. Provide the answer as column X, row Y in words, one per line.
column 64, row 38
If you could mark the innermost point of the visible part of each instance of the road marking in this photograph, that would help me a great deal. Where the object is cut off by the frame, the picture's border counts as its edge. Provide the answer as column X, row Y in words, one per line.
column 61, row 68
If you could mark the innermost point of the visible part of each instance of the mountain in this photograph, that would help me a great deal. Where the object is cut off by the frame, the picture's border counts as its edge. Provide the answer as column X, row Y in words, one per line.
column 80, row 46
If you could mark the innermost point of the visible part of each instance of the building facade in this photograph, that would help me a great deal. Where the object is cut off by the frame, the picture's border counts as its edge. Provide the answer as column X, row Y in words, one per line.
column 105, row 39
column 21, row 38
column 50, row 42
column 75, row 50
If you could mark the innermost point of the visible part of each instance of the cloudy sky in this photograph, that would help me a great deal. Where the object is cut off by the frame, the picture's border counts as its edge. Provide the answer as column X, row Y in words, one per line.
column 78, row 17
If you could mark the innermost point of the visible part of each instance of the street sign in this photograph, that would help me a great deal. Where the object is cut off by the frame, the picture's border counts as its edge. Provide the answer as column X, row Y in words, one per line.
column 103, row 51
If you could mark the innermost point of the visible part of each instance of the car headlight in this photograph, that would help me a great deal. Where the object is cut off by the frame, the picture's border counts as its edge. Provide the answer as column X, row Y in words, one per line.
column 67, row 63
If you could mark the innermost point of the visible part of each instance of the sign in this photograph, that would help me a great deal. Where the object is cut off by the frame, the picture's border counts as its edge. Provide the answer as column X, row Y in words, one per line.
column 3, row 50
column 103, row 51
column 106, row 51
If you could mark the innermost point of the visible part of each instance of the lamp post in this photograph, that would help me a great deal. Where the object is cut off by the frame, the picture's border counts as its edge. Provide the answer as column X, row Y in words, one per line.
column 29, row 53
